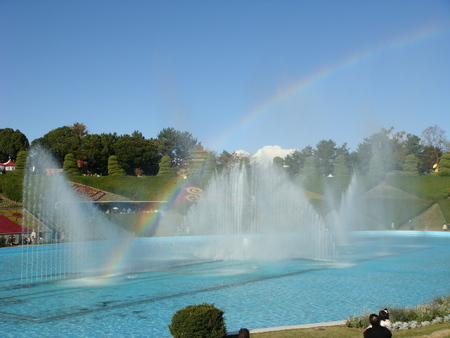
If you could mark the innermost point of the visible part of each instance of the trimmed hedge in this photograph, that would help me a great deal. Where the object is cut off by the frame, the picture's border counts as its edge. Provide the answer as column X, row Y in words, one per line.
column 198, row 321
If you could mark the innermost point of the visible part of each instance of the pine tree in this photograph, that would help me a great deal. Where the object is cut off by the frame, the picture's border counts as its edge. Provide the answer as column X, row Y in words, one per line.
column 341, row 169
column 165, row 166
column 310, row 168
column 444, row 165
column 114, row 168
column 70, row 165
column 410, row 166
column 20, row 162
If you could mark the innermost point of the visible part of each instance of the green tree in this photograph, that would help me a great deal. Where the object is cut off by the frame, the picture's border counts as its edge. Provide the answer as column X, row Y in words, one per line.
column 20, row 162
column 11, row 142
column 325, row 154
column 178, row 145
column 226, row 160
column 70, row 166
column 444, row 165
column 137, row 152
column 210, row 167
column 60, row 142
column 435, row 139
column 278, row 162
column 114, row 168
column 294, row 162
column 196, row 161
column 310, row 168
column 410, row 166
column 376, row 168
column 377, row 144
column 341, row 167
column 165, row 167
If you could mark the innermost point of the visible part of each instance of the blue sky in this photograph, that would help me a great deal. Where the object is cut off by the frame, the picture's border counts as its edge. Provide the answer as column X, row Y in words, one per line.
column 236, row 74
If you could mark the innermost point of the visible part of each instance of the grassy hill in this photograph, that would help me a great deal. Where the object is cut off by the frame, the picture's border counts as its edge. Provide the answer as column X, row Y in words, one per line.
column 423, row 200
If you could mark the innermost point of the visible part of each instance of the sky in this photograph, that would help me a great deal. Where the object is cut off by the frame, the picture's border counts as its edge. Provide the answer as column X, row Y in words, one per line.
column 238, row 75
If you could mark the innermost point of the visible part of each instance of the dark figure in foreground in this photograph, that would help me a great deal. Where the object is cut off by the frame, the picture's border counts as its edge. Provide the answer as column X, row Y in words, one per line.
column 244, row 333
column 376, row 331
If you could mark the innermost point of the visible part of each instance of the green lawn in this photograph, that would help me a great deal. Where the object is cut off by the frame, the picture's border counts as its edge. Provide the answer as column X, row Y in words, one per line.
column 342, row 331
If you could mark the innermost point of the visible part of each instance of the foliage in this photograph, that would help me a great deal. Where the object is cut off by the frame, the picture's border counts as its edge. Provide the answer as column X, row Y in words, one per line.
column 325, row 154
column 434, row 138
column 165, row 167
column 226, row 160
column 444, row 165
column 438, row 308
column 60, row 142
column 11, row 142
column 20, row 162
column 176, row 144
column 137, row 152
column 2, row 242
column 310, row 168
column 198, row 321
column 70, row 165
column 410, row 166
column 11, row 187
column 376, row 168
column 341, row 167
column 114, row 168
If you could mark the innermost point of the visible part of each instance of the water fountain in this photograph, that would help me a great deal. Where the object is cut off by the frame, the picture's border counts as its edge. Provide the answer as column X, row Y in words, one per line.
column 248, row 238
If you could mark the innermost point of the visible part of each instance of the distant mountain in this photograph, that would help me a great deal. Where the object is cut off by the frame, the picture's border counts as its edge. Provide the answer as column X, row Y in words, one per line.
column 265, row 155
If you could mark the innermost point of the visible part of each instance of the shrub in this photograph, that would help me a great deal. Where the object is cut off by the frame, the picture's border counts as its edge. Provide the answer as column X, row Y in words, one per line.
column 2, row 242
column 198, row 321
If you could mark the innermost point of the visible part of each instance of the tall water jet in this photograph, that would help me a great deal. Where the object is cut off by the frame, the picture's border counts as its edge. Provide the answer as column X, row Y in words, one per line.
column 58, row 216
column 260, row 215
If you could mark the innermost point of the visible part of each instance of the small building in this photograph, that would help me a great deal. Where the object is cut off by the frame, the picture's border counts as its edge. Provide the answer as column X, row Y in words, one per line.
column 7, row 166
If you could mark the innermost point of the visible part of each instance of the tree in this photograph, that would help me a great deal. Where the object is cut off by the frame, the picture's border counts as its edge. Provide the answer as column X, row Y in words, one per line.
column 341, row 169
column 21, row 160
column 294, row 162
column 310, row 168
column 114, row 168
column 70, row 165
column 196, row 161
column 325, row 154
column 11, row 142
column 227, row 160
column 210, row 167
column 376, row 168
column 178, row 145
column 444, row 165
column 60, row 142
column 377, row 144
column 278, row 162
column 410, row 166
column 165, row 167
column 434, row 137
column 137, row 152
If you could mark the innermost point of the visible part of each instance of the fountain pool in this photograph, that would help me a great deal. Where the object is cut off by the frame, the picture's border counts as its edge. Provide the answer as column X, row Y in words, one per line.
column 407, row 269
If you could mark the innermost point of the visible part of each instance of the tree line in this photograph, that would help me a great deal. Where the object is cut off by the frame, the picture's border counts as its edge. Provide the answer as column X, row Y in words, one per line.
column 383, row 152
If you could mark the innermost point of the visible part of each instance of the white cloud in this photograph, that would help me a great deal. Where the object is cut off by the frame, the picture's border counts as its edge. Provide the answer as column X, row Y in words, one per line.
column 265, row 155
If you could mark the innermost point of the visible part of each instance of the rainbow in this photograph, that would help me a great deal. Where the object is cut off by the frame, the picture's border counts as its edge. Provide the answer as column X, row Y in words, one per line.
column 259, row 111
column 320, row 76
column 146, row 221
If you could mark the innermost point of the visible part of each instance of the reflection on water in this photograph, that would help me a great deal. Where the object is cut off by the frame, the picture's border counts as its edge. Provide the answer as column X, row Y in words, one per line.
column 408, row 268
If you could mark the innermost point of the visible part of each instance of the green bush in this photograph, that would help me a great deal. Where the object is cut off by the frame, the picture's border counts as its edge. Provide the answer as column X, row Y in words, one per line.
column 439, row 307
column 2, row 242
column 198, row 321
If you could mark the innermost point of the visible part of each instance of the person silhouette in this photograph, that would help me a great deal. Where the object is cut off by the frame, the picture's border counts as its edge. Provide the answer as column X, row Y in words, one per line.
column 244, row 333
column 376, row 330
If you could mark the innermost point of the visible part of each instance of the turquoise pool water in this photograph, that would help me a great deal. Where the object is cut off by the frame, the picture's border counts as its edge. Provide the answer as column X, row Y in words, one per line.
column 380, row 269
